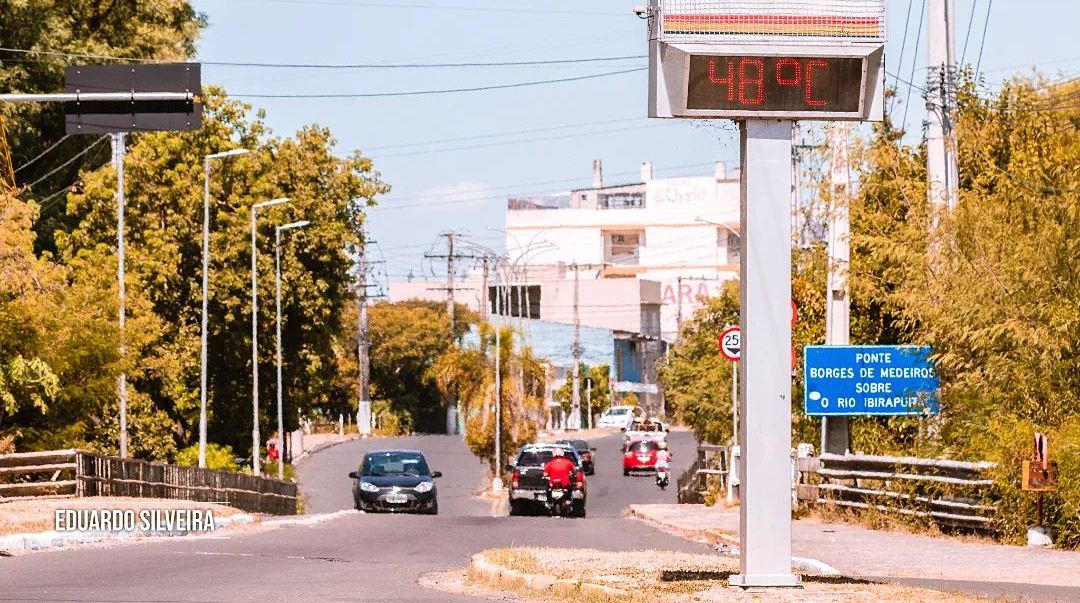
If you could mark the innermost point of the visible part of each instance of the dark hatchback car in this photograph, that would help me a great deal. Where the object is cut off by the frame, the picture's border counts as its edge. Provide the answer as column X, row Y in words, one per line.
column 395, row 480
column 585, row 452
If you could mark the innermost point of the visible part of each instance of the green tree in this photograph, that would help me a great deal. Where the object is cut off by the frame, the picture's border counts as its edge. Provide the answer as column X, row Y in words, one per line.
column 601, row 389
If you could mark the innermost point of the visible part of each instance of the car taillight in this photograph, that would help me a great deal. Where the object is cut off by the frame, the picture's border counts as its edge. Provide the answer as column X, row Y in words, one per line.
column 514, row 478
column 580, row 482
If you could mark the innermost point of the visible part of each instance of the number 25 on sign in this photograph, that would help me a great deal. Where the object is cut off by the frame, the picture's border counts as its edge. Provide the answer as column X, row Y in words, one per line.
column 730, row 343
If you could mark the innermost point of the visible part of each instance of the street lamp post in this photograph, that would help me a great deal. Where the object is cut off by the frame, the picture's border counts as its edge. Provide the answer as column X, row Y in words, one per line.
column 205, row 282
column 255, row 460
column 277, row 289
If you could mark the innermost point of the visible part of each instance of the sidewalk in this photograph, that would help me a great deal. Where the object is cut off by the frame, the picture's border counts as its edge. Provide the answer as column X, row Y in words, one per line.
column 862, row 552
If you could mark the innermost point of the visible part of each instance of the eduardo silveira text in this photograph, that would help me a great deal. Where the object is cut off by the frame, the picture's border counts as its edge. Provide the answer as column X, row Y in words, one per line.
column 129, row 520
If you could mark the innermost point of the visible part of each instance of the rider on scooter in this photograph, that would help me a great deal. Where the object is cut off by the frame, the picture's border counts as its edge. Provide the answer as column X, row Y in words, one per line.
column 663, row 460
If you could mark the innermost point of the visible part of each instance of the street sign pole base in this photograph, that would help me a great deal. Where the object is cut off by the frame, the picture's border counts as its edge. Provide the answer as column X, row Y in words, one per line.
column 765, row 581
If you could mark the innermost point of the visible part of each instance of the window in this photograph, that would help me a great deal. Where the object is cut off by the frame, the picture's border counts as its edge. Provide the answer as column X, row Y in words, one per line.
column 623, row 247
column 620, row 201
column 731, row 242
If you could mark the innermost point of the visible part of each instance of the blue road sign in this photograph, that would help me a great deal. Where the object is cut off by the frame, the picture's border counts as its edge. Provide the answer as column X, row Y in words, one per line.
column 869, row 380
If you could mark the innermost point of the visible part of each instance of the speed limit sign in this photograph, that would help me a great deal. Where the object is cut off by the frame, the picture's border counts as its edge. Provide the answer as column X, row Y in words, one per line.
column 730, row 342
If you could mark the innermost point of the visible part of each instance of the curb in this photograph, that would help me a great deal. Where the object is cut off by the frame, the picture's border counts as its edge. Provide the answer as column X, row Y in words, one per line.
column 727, row 544
column 39, row 541
column 496, row 575
column 310, row 451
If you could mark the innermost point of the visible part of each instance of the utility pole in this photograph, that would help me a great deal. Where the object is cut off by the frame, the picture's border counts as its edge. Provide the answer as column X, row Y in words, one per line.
column 363, row 409
column 835, row 432
column 454, row 421
column 575, row 400
column 941, row 168
column 588, row 398
column 496, row 481
column 678, row 306
column 119, row 150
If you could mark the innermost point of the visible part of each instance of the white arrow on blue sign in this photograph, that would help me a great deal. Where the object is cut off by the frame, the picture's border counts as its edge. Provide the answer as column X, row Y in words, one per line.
column 869, row 380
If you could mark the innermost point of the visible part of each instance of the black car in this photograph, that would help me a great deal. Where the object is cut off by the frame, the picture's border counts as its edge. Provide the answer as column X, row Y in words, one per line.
column 584, row 451
column 395, row 480
column 528, row 486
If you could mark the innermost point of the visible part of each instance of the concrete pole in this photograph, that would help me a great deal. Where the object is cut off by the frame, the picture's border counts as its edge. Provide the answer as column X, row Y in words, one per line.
column 678, row 307
column 765, row 400
column 835, row 431
column 256, row 461
column 588, row 398
column 119, row 150
column 363, row 414
column 205, row 310
column 255, row 439
column 941, row 167
column 453, row 408
column 574, row 421
column 277, row 328
column 496, row 482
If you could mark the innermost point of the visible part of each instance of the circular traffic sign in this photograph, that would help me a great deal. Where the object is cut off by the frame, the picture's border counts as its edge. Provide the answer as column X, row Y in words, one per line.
column 730, row 342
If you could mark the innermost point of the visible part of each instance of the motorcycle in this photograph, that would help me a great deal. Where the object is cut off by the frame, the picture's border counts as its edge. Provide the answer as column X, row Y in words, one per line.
column 662, row 478
column 560, row 500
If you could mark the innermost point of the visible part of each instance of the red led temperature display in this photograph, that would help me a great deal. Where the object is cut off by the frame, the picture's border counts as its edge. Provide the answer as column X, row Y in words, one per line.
column 760, row 83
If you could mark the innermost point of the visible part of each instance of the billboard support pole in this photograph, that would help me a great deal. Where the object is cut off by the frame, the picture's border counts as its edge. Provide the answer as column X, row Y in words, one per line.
column 765, row 399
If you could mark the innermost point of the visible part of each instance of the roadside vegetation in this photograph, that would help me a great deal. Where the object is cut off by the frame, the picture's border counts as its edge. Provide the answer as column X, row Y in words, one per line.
column 993, row 287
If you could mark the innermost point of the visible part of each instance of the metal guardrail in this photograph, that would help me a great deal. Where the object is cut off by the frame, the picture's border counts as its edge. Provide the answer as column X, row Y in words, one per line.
column 78, row 473
column 944, row 491
column 711, row 460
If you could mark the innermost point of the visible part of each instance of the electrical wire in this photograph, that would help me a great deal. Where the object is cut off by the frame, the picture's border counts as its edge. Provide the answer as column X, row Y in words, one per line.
column 341, row 66
column 903, row 43
column 66, row 163
column 443, row 91
column 499, row 134
column 982, row 44
column 967, row 36
column 914, row 61
column 43, row 153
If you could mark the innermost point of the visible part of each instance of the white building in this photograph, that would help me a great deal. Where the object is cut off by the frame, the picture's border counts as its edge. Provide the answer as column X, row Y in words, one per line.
column 680, row 232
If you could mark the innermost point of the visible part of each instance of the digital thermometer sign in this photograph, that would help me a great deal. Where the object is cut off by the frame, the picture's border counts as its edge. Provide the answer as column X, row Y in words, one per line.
column 798, row 84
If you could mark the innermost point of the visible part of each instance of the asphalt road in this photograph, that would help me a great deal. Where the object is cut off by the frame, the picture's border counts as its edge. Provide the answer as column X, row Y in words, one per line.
column 358, row 557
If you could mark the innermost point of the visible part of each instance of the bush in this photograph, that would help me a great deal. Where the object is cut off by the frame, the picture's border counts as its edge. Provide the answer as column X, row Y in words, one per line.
column 391, row 422
column 218, row 457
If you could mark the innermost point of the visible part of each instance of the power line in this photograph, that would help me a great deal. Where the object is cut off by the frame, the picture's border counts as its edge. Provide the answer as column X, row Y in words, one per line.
column 499, row 134
column 982, row 44
column 443, row 91
column 66, row 163
column 967, row 36
column 408, row 6
column 903, row 43
column 914, row 60
column 523, row 140
column 343, row 66
column 43, row 153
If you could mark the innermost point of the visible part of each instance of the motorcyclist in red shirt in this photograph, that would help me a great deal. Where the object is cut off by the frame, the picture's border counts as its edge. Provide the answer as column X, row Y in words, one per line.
column 560, row 470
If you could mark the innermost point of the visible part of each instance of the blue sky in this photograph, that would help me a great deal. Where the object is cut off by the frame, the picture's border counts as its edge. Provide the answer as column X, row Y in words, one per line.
column 561, row 128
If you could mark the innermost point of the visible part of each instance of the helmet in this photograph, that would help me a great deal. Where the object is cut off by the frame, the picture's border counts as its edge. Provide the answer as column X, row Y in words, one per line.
column 663, row 445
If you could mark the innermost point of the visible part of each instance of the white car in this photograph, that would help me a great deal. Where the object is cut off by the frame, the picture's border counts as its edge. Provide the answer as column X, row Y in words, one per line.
column 637, row 430
column 616, row 416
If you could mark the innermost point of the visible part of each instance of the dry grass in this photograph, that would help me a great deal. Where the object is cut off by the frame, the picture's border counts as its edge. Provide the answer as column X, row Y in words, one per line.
column 644, row 576
column 37, row 515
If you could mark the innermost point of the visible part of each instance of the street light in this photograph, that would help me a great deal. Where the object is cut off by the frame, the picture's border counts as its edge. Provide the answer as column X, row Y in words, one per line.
column 277, row 285
column 255, row 336
column 205, row 281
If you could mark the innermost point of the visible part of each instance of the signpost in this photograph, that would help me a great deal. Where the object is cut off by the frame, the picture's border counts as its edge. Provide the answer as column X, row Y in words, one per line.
column 845, row 380
column 730, row 343
column 766, row 64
